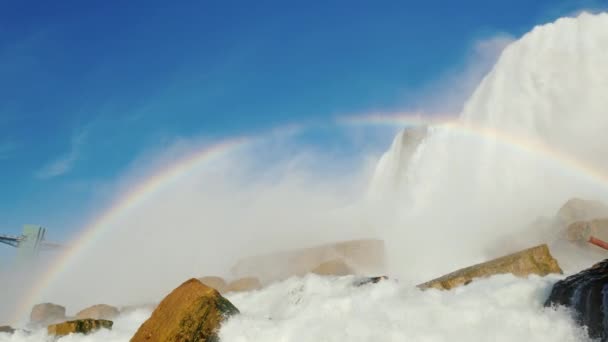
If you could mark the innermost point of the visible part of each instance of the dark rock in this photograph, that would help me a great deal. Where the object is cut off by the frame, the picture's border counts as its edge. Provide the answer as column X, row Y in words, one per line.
column 6, row 329
column 584, row 293
column 80, row 326
column 369, row 280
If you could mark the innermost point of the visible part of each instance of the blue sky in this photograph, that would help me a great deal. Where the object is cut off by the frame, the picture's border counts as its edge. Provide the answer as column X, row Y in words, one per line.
column 88, row 88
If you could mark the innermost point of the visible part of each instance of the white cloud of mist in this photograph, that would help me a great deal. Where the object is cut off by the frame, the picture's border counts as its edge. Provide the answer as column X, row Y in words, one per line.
column 463, row 199
column 64, row 163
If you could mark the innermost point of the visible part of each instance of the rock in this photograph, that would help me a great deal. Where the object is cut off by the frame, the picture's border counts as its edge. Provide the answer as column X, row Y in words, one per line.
column 100, row 311
column 244, row 284
column 47, row 313
column 369, row 280
column 584, row 230
column 584, row 294
column 535, row 260
column 217, row 283
column 335, row 267
column 364, row 256
column 6, row 329
column 192, row 312
column 79, row 326
column 577, row 209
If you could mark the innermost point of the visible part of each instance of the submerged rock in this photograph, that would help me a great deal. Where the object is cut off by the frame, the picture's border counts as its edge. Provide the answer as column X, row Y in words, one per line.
column 99, row 311
column 535, row 260
column 584, row 294
column 244, row 284
column 47, row 313
column 6, row 329
column 192, row 312
column 217, row 283
column 335, row 267
column 79, row 326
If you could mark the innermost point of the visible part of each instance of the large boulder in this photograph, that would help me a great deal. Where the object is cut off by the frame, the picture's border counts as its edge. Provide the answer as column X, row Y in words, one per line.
column 192, row 312
column 99, row 311
column 244, row 284
column 535, row 260
column 335, row 267
column 217, row 283
column 6, row 329
column 366, row 256
column 584, row 294
column 47, row 313
column 80, row 326
column 577, row 209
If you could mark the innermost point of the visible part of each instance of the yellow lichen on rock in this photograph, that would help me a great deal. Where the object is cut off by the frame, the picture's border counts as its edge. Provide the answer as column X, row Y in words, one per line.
column 535, row 260
column 80, row 326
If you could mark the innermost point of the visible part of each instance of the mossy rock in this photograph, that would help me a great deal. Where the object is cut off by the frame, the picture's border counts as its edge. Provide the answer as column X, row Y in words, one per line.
column 79, row 326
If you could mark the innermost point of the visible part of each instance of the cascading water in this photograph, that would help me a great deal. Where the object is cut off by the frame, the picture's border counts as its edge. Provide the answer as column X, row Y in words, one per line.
column 526, row 141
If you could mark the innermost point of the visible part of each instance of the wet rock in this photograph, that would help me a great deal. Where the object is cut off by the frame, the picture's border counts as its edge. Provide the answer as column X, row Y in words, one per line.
column 192, row 312
column 535, row 260
column 6, row 329
column 217, row 283
column 335, row 267
column 80, row 326
column 99, row 311
column 47, row 313
column 584, row 293
column 244, row 284
column 369, row 280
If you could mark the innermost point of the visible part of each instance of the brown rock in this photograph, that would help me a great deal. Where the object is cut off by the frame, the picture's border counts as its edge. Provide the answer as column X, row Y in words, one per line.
column 364, row 256
column 99, row 311
column 535, row 260
column 215, row 282
column 6, row 329
column 336, row 267
column 244, row 284
column 192, row 312
column 80, row 326
column 47, row 313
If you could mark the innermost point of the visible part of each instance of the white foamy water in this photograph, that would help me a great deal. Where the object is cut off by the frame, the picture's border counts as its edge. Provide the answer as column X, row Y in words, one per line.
column 460, row 199
column 315, row 308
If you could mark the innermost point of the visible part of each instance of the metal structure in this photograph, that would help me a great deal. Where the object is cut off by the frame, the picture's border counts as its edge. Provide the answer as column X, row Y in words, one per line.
column 30, row 242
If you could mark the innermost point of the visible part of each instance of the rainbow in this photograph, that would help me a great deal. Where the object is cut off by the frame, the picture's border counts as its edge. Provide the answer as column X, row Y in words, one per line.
column 164, row 178
column 519, row 143
column 128, row 201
